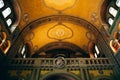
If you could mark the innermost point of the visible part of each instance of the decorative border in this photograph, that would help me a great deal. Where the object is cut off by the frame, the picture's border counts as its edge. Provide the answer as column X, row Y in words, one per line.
column 63, row 38
column 62, row 18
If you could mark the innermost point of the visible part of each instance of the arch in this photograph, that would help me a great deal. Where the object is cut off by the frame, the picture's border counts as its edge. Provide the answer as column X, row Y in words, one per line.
column 103, row 10
column 62, row 45
column 60, row 18
column 68, row 76
column 17, row 11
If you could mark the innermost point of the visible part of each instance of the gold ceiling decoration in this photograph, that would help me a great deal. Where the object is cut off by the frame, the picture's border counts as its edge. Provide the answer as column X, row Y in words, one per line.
column 30, row 36
column 60, row 32
column 59, row 5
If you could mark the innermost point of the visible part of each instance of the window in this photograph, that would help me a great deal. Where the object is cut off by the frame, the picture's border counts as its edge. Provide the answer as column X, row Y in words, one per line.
column 113, row 11
column 110, row 21
column 12, row 28
column 118, row 3
column 9, row 22
column 95, row 54
column 97, row 50
column 6, row 12
column 8, row 15
column 24, row 56
column 23, row 51
column 1, row 4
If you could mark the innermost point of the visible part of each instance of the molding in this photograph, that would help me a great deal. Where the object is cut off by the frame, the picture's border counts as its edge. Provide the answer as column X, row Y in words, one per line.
column 61, row 18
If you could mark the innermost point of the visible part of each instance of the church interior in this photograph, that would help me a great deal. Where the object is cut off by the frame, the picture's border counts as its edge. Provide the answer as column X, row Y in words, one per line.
column 59, row 39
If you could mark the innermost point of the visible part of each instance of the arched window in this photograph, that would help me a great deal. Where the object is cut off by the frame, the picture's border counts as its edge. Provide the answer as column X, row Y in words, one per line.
column 110, row 21
column 9, row 22
column 8, row 14
column 95, row 54
column 96, row 51
column 113, row 11
column 23, row 50
column 1, row 4
column 118, row 3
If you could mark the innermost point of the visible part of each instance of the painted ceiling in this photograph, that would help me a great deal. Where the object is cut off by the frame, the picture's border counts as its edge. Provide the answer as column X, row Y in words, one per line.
column 48, row 21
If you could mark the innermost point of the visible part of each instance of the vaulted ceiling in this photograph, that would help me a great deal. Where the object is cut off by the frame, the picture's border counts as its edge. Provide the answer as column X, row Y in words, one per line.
column 73, row 21
column 88, row 10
